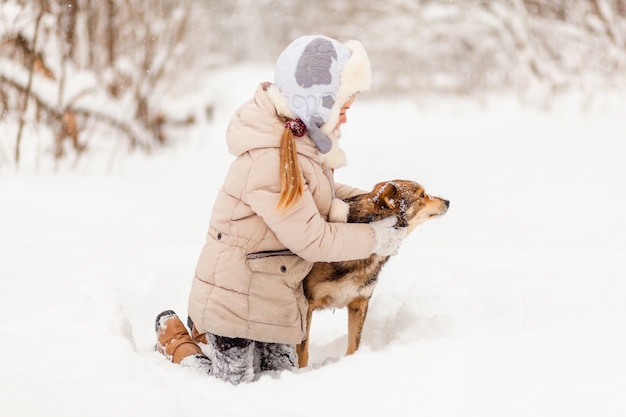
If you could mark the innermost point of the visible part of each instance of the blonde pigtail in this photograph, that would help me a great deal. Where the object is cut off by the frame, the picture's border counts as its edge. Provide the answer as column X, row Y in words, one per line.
column 290, row 178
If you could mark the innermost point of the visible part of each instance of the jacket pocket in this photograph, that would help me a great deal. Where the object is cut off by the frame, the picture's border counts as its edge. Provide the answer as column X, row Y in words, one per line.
column 276, row 293
column 270, row 253
column 284, row 265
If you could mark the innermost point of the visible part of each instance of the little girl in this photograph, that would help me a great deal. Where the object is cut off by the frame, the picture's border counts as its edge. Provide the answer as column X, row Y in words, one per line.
column 278, row 212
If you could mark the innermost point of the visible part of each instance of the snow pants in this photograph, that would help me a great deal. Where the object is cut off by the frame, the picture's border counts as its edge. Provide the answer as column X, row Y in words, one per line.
column 239, row 360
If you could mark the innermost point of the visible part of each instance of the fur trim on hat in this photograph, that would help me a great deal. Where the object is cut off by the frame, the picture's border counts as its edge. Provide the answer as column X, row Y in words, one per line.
column 356, row 76
column 279, row 101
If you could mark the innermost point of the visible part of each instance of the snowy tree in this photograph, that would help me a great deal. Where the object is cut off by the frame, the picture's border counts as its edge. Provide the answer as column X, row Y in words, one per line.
column 452, row 47
column 74, row 68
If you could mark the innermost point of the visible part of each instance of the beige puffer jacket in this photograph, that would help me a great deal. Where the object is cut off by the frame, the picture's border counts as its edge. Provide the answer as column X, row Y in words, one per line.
column 243, row 285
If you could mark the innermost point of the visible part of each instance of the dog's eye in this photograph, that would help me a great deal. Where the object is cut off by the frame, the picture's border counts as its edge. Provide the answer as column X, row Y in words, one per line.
column 422, row 194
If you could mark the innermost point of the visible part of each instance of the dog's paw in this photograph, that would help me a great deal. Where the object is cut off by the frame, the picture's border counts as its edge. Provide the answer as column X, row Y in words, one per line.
column 338, row 212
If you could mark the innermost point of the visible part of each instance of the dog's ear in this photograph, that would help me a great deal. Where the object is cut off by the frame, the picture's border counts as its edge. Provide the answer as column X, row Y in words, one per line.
column 388, row 193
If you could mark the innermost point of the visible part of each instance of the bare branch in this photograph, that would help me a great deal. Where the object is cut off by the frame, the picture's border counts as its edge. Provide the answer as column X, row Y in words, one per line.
column 26, row 95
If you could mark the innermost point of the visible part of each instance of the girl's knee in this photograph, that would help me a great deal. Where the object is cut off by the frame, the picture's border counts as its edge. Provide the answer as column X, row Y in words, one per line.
column 276, row 356
column 233, row 358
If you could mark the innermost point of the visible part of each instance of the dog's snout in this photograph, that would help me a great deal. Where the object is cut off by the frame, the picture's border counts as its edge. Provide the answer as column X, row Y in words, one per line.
column 446, row 205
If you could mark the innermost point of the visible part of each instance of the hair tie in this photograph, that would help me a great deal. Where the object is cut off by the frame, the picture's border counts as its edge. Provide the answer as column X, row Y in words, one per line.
column 297, row 127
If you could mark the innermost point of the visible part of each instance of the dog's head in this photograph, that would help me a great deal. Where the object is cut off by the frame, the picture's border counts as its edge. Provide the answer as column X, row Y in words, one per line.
column 405, row 199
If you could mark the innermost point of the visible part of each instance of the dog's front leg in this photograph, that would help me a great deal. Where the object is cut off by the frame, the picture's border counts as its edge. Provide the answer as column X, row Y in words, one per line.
column 357, row 310
column 303, row 348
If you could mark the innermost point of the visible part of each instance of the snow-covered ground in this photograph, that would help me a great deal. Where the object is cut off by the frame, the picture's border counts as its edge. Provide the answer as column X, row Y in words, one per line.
column 512, row 304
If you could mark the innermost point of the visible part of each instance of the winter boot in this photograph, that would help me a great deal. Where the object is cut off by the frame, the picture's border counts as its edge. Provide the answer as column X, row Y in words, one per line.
column 174, row 341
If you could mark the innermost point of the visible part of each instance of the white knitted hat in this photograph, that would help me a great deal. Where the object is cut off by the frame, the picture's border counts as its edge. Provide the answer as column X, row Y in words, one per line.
column 317, row 75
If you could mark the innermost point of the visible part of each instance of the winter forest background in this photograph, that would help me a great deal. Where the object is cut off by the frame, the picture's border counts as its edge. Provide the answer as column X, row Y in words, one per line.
column 72, row 68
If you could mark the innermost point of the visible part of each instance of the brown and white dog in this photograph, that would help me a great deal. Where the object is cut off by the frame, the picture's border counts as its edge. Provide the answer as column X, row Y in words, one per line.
column 351, row 283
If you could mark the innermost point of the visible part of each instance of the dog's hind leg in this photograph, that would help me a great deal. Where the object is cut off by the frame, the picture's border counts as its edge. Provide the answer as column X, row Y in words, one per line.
column 303, row 348
column 357, row 311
